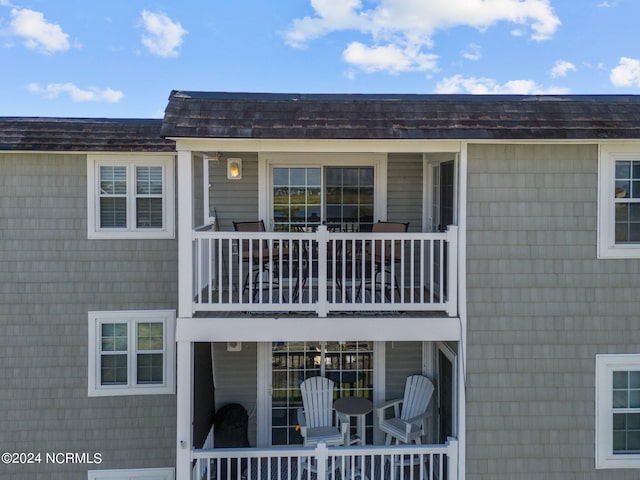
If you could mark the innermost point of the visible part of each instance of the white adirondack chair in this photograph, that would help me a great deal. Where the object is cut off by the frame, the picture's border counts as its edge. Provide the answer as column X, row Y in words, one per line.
column 407, row 425
column 316, row 423
column 316, row 416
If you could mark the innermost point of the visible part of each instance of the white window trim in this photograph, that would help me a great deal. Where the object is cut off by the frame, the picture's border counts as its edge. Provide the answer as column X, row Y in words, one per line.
column 608, row 156
column 605, row 366
column 96, row 319
column 131, row 232
column 131, row 474
column 269, row 160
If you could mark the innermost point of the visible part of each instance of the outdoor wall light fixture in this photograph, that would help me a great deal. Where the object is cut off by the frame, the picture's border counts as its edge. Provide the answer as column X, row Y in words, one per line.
column 234, row 168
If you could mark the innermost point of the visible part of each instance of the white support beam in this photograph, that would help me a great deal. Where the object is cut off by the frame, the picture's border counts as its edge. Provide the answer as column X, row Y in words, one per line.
column 273, row 329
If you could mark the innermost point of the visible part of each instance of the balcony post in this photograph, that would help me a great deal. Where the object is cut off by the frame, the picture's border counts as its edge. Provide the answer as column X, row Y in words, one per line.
column 185, row 234
column 452, row 454
column 322, row 456
column 452, row 270
column 323, row 243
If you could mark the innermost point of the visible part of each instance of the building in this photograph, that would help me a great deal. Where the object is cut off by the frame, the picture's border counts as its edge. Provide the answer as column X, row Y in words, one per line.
column 137, row 301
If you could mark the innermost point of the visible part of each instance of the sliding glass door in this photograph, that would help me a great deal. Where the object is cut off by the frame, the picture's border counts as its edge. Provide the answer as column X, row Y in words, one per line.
column 305, row 197
column 348, row 364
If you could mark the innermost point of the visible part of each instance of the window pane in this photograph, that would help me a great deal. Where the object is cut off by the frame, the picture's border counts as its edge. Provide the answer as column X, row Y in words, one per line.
column 113, row 212
column 114, row 337
column 623, row 169
column 150, row 368
column 298, row 176
column 626, row 434
column 149, row 212
column 620, row 379
column 622, row 189
column 113, row 180
column 620, row 399
column 150, row 336
column 113, row 369
column 149, row 180
column 281, row 195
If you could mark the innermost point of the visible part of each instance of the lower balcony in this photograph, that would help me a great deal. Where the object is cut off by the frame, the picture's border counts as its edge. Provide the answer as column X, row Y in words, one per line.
column 390, row 462
column 325, row 272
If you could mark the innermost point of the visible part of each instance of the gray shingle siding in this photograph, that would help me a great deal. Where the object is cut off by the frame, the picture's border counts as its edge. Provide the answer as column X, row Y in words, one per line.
column 540, row 306
column 404, row 190
column 50, row 277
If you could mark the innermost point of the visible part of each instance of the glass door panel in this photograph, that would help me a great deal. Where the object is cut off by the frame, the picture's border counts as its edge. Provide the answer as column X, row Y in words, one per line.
column 349, row 198
column 348, row 364
column 296, row 198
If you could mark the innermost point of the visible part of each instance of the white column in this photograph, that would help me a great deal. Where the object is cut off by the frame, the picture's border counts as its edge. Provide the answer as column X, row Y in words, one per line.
column 185, row 234
column 184, row 400
column 185, row 310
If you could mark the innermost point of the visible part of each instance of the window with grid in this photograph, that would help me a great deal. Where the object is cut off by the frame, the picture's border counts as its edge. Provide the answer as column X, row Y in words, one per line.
column 618, row 411
column 131, row 352
column 619, row 202
column 627, row 201
column 130, row 198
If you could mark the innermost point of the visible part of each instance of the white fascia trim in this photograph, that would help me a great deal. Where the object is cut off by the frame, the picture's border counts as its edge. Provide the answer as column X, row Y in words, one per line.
column 326, row 146
column 272, row 329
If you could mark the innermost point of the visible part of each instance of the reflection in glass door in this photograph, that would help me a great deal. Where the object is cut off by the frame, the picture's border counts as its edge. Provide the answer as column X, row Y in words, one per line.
column 349, row 198
column 296, row 199
column 348, row 364
column 304, row 197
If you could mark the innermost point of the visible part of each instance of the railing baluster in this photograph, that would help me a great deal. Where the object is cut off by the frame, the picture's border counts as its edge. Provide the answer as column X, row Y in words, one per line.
column 229, row 270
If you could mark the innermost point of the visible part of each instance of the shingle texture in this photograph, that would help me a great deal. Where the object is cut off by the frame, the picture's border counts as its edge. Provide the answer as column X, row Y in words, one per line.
column 276, row 116
column 82, row 134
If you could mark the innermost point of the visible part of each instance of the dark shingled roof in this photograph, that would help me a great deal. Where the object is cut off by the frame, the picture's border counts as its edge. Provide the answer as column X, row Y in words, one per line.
column 448, row 117
column 82, row 134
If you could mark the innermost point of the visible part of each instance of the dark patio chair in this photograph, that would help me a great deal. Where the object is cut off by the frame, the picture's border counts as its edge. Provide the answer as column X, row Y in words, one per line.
column 256, row 254
column 392, row 251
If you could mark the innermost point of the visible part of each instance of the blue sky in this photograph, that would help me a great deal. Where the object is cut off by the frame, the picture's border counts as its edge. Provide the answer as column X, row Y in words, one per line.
column 79, row 58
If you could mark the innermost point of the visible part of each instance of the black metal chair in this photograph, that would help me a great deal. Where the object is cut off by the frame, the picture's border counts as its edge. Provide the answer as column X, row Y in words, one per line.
column 258, row 257
column 386, row 254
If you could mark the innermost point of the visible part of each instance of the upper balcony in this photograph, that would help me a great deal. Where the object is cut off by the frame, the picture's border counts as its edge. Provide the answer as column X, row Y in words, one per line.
column 324, row 272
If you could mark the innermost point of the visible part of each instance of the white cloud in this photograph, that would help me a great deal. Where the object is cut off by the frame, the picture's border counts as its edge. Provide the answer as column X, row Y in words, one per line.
column 37, row 32
column 627, row 73
column 390, row 58
column 163, row 36
column 472, row 52
column 409, row 25
column 92, row 94
column 562, row 68
column 460, row 84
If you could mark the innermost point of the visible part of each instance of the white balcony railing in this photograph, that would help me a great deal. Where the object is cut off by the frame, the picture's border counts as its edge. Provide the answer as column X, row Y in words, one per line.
column 325, row 272
column 394, row 462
